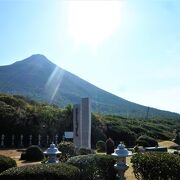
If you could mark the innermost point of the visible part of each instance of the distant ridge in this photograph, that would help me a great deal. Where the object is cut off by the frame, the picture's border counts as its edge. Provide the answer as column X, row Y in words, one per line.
column 40, row 79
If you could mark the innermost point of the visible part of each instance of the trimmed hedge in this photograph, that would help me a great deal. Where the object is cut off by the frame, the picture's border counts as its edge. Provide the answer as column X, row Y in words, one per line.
column 146, row 141
column 33, row 153
column 94, row 166
column 101, row 146
column 86, row 164
column 6, row 163
column 67, row 149
column 105, row 165
column 85, row 151
column 42, row 172
column 177, row 147
column 109, row 146
column 156, row 166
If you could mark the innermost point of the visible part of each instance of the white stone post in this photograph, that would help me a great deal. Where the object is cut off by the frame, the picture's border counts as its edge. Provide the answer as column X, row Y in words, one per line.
column 30, row 140
column 47, row 140
column 39, row 140
column 12, row 144
column 2, row 140
column 21, row 140
column 56, row 139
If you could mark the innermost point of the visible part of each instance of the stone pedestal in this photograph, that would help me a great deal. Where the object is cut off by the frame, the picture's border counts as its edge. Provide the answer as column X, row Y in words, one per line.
column 52, row 152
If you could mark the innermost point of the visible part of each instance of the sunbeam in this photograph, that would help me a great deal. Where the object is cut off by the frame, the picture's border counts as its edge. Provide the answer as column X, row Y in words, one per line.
column 54, row 82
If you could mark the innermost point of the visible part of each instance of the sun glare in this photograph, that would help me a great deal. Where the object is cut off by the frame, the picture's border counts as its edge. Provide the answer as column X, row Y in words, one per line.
column 91, row 22
column 54, row 82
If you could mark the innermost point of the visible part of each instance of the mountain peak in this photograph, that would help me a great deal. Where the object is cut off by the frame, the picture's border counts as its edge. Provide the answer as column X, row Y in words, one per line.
column 38, row 78
column 38, row 56
column 35, row 59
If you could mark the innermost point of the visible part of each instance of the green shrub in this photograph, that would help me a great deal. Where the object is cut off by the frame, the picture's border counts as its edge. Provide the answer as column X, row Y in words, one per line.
column 86, row 164
column 6, row 163
column 177, row 152
column 177, row 138
column 85, row 151
column 146, row 141
column 23, row 156
column 96, row 135
column 105, row 165
column 156, row 166
column 100, row 146
column 177, row 147
column 135, row 149
column 67, row 149
column 33, row 153
column 109, row 146
column 94, row 166
column 143, row 143
column 42, row 172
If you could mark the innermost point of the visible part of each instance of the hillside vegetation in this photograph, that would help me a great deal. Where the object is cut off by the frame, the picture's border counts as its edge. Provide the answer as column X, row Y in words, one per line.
column 41, row 80
column 20, row 115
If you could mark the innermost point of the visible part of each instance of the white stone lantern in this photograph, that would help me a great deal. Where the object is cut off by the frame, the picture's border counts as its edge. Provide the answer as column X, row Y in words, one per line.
column 52, row 153
column 121, row 153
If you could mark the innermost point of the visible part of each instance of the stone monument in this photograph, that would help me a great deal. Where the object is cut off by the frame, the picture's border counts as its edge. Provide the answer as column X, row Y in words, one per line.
column 82, row 124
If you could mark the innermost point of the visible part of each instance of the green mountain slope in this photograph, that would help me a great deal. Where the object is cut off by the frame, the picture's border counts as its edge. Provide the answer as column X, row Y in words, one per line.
column 40, row 79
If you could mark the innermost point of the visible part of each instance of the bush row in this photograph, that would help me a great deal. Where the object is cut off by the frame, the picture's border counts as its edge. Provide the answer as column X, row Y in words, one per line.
column 146, row 141
column 156, row 166
column 177, row 147
column 6, row 163
column 101, row 146
column 32, row 153
column 68, row 150
column 94, row 166
column 42, row 172
column 82, row 167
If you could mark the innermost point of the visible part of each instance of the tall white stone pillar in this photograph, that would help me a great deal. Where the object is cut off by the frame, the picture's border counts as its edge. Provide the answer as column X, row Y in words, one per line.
column 86, row 123
column 82, row 124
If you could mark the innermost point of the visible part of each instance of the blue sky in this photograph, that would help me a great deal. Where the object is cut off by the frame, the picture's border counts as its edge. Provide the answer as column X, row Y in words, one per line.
column 129, row 48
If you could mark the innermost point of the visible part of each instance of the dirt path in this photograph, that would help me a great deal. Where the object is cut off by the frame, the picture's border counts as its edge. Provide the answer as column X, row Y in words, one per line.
column 129, row 173
column 167, row 144
column 15, row 154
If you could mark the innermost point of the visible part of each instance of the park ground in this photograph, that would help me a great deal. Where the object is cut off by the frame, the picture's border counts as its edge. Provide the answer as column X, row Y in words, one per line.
column 16, row 153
